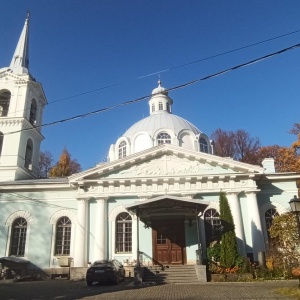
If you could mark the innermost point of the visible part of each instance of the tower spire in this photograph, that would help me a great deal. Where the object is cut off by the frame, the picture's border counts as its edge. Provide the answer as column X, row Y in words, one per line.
column 20, row 61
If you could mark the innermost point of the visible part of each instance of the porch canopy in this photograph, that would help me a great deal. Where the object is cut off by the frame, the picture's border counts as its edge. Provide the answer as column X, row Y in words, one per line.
column 167, row 206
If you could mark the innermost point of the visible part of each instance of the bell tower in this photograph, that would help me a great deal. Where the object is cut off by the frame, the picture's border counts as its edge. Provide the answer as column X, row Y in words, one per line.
column 22, row 101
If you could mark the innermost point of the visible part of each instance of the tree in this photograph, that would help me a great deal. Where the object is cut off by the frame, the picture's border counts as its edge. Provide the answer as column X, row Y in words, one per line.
column 229, row 250
column 223, row 143
column 285, row 238
column 246, row 147
column 236, row 144
column 65, row 166
column 45, row 163
column 285, row 158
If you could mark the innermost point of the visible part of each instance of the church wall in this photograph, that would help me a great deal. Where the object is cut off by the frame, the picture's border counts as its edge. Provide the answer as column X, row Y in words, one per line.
column 38, row 208
column 191, row 241
column 145, row 239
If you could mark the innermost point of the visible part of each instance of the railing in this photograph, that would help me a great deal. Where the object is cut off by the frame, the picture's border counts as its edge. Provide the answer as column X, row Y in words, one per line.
column 146, row 261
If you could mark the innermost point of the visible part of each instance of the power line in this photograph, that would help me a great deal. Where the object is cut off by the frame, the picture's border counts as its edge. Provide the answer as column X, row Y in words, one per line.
column 175, row 67
column 170, row 89
column 172, row 68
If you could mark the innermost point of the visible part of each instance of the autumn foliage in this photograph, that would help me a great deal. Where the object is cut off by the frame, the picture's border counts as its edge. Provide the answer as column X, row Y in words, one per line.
column 65, row 166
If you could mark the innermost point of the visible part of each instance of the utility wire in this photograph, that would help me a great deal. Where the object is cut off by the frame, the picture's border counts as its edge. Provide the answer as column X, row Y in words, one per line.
column 175, row 67
column 170, row 89
column 171, row 68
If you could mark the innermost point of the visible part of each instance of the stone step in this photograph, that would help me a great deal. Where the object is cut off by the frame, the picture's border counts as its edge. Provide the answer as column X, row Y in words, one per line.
column 173, row 274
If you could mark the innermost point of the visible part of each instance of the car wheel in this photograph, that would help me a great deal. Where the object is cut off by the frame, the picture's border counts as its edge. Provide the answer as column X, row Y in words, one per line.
column 89, row 283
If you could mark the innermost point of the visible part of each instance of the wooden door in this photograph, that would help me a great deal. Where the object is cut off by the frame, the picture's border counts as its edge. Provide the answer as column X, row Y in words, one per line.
column 168, row 241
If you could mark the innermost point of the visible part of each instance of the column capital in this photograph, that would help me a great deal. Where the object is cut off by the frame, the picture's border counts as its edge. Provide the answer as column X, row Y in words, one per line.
column 82, row 199
column 251, row 192
column 101, row 198
column 233, row 193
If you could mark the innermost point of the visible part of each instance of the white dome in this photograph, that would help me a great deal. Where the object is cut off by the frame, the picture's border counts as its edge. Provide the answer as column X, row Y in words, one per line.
column 161, row 121
column 160, row 127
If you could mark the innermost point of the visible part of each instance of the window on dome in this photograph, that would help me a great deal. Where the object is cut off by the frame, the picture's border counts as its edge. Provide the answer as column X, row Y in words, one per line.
column 122, row 149
column 4, row 103
column 123, row 233
column 163, row 138
column 28, row 154
column 63, row 236
column 160, row 106
column 18, row 237
column 168, row 107
column 269, row 216
column 212, row 226
column 203, row 145
column 153, row 107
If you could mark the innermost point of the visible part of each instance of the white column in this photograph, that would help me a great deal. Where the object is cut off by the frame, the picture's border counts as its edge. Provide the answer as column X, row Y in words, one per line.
column 238, row 221
column 100, row 230
column 80, row 259
column 258, row 243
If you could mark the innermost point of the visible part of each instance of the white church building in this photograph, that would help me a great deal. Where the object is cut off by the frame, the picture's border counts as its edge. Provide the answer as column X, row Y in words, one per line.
column 158, row 193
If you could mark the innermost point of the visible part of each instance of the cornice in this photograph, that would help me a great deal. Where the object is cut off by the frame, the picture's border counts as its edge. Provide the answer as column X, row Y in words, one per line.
column 21, row 122
column 150, row 187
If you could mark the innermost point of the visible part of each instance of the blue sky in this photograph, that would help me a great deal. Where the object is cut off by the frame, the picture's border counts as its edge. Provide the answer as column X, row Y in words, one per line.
column 80, row 46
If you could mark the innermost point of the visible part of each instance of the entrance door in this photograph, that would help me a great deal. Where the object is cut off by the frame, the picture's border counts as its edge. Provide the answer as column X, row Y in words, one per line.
column 168, row 241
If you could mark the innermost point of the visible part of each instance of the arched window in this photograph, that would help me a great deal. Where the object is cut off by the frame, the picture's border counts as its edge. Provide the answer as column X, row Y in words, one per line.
column 153, row 107
column 160, row 106
column 212, row 226
column 28, row 154
column 18, row 237
column 163, row 138
column 33, row 111
column 1, row 141
column 123, row 233
column 122, row 149
column 203, row 145
column 4, row 103
column 63, row 236
column 269, row 216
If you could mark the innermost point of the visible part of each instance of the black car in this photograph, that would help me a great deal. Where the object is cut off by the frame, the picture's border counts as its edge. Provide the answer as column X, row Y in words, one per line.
column 105, row 271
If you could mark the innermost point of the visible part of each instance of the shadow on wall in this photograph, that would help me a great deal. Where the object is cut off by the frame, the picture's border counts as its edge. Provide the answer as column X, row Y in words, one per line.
column 19, row 269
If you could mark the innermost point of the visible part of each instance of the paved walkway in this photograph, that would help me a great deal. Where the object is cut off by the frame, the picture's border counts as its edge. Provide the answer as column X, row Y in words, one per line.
column 69, row 290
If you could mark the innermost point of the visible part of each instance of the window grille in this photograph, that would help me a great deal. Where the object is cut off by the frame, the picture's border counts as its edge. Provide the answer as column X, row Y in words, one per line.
column 122, row 149
column 269, row 216
column 168, row 107
column 123, row 233
column 203, row 145
column 18, row 240
column 163, row 138
column 63, row 236
column 212, row 226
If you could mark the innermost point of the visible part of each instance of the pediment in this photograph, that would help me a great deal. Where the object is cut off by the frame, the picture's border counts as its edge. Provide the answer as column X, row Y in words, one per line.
column 165, row 161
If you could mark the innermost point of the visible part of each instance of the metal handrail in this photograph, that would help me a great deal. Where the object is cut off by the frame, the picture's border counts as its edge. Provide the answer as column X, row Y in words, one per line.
column 156, row 262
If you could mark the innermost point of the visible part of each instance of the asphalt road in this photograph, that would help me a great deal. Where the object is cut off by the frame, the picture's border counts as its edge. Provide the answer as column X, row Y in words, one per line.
column 65, row 289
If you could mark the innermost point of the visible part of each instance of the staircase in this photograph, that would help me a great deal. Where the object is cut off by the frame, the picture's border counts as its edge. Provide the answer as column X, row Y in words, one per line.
column 192, row 274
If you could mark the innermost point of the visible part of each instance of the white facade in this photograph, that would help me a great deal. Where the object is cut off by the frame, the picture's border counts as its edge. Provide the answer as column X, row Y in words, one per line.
column 161, row 178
